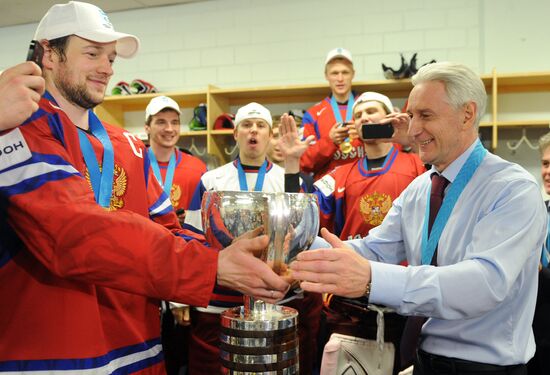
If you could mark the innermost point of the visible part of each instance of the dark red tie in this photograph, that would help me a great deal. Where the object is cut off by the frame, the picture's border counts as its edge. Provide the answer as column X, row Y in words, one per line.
column 413, row 326
column 439, row 183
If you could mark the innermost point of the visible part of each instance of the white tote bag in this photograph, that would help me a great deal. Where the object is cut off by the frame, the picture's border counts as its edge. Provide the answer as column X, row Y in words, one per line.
column 349, row 355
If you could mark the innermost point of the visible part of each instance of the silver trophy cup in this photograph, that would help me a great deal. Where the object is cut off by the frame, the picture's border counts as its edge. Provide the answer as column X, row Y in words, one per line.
column 261, row 338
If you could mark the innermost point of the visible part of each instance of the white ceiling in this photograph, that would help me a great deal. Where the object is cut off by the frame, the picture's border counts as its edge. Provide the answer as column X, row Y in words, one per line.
column 16, row 12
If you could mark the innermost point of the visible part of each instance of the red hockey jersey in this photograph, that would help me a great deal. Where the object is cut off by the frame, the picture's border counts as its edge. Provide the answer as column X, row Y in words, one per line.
column 323, row 156
column 187, row 176
column 80, row 283
column 354, row 199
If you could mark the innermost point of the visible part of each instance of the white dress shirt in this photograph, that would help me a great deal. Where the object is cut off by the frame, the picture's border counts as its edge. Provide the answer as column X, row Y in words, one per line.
column 481, row 296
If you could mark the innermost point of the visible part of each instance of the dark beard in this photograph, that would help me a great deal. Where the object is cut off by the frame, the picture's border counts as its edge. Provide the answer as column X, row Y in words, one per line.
column 76, row 94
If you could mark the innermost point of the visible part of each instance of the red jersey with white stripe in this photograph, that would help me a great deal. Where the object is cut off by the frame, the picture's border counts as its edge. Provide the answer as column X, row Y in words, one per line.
column 354, row 199
column 187, row 176
column 323, row 156
column 75, row 275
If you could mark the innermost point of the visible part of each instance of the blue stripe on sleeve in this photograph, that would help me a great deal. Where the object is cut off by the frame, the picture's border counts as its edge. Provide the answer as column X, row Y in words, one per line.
column 56, row 127
column 339, row 217
column 161, row 207
column 143, row 355
column 193, row 214
column 196, row 201
column 326, row 204
column 146, row 166
column 33, row 173
column 192, row 228
column 35, row 116
column 140, row 365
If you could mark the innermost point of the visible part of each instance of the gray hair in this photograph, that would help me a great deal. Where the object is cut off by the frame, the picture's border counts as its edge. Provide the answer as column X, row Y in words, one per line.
column 462, row 85
column 544, row 143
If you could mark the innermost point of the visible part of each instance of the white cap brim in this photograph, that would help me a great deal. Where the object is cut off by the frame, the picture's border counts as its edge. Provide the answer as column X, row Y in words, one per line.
column 126, row 45
column 371, row 96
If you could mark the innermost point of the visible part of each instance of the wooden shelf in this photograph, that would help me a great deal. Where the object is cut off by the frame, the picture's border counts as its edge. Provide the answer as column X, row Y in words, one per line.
column 524, row 82
column 310, row 92
column 516, row 123
column 222, row 132
column 193, row 133
column 523, row 123
column 220, row 100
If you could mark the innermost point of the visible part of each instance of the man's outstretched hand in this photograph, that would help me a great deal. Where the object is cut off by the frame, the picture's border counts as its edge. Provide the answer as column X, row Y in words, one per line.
column 290, row 143
column 338, row 270
column 241, row 270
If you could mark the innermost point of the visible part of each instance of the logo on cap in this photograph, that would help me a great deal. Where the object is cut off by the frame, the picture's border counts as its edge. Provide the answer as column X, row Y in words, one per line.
column 106, row 21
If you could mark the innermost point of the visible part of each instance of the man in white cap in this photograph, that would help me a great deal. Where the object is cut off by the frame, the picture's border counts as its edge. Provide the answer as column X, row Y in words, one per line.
column 330, row 121
column 251, row 171
column 85, row 265
column 355, row 198
column 178, row 172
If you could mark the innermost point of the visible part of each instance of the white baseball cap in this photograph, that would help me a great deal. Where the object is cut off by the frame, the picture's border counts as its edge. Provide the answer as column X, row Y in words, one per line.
column 370, row 96
column 159, row 103
column 253, row 110
column 338, row 53
column 86, row 21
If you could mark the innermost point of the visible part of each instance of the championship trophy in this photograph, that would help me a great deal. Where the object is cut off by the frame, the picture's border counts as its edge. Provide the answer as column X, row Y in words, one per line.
column 261, row 338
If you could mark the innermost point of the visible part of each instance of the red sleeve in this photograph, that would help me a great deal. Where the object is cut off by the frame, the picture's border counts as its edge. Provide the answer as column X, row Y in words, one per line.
column 319, row 154
column 161, row 210
column 52, row 209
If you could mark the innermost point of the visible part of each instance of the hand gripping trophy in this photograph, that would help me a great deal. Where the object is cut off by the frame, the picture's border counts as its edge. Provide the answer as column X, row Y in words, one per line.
column 261, row 338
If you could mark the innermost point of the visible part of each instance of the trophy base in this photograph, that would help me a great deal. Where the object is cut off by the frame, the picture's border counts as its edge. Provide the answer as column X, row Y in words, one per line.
column 264, row 341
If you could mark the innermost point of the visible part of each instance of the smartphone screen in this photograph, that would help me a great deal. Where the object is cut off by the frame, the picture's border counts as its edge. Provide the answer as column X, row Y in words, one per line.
column 36, row 52
column 373, row 131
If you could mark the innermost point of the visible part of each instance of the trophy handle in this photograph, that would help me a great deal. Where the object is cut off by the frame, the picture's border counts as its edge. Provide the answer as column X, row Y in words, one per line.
column 278, row 226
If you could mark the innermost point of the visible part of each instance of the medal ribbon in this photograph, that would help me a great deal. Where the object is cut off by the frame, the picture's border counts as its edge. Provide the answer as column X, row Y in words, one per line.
column 464, row 176
column 336, row 109
column 259, row 180
column 100, row 178
column 167, row 184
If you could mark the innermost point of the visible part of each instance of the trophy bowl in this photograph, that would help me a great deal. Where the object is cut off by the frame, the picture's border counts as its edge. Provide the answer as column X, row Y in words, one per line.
column 290, row 220
column 261, row 338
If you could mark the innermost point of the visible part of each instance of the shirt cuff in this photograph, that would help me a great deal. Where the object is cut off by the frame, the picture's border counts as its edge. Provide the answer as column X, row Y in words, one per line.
column 387, row 284
column 319, row 243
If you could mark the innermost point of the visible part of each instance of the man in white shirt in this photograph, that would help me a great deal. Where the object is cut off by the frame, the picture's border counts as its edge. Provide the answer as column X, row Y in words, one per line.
column 486, row 240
